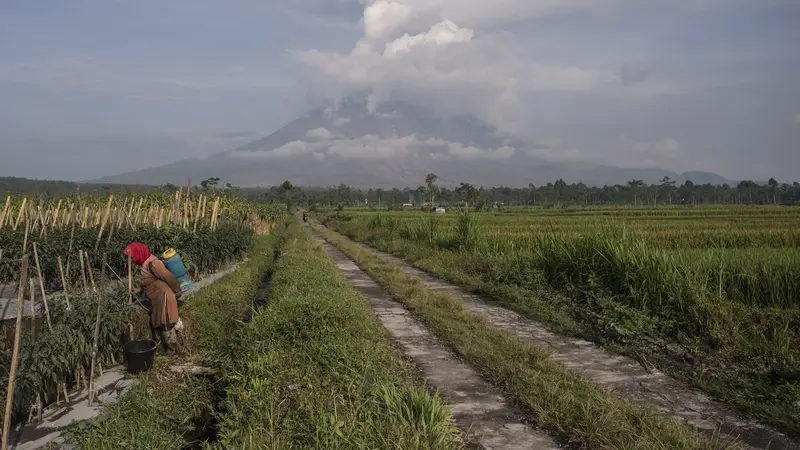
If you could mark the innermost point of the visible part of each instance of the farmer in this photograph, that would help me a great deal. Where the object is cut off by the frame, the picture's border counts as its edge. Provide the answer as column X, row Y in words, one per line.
column 161, row 288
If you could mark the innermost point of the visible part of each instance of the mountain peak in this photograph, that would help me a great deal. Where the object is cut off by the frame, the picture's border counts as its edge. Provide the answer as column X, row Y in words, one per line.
column 392, row 144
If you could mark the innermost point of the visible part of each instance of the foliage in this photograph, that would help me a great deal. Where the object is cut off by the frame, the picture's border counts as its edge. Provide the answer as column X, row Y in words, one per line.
column 204, row 251
column 316, row 369
column 50, row 357
column 719, row 284
column 167, row 410
column 563, row 402
column 559, row 193
column 163, row 410
column 466, row 230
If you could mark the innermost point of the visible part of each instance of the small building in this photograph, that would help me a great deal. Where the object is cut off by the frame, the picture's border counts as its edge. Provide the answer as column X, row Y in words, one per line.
column 408, row 205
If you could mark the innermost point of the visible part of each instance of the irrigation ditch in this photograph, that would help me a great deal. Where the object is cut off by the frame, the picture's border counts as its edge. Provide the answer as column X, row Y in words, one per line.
column 208, row 434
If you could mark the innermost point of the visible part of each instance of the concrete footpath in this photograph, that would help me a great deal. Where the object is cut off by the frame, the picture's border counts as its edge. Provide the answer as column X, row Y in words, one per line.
column 478, row 408
column 623, row 375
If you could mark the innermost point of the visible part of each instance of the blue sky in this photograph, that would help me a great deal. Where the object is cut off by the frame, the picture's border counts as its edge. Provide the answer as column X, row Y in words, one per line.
column 96, row 87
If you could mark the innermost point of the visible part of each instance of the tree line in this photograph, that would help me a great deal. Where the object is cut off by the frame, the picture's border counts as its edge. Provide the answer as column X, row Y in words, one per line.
column 634, row 192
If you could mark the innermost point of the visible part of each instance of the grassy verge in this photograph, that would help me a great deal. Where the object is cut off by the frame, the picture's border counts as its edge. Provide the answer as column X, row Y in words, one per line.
column 168, row 410
column 315, row 369
column 562, row 402
column 721, row 319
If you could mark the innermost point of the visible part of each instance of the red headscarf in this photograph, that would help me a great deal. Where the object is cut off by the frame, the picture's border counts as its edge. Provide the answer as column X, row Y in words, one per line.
column 138, row 252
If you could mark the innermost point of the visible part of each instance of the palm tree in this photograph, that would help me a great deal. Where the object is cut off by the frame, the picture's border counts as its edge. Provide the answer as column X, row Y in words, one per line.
column 430, row 180
column 634, row 186
column 667, row 184
column 773, row 185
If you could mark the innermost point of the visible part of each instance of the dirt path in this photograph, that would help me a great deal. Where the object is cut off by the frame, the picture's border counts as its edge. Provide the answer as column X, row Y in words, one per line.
column 624, row 375
column 478, row 408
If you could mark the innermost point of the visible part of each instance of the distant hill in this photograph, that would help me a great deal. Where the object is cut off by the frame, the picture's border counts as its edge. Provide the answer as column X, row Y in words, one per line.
column 26, row 186
column 394, row 145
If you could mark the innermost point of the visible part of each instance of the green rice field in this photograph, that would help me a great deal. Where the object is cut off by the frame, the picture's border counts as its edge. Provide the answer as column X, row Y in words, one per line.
column 710, row 295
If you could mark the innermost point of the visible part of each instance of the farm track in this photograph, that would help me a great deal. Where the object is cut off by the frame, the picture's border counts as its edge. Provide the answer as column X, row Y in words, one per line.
column 623, row 375
column 478, row 408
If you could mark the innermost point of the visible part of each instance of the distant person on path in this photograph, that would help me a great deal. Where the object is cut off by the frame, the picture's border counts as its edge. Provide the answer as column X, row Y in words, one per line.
column 162, row 290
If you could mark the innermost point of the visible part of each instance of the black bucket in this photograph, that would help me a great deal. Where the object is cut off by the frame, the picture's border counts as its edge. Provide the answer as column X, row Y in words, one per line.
column 139, row 355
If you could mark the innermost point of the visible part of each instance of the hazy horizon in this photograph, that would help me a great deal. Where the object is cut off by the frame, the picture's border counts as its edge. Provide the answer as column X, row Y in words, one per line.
column 91, row 88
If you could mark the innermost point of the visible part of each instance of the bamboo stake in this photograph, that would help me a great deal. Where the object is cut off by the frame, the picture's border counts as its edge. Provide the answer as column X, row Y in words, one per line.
column 95, row 337
column 5, row 211
column 197, row 213
column 83, row 273
column 91, row 274
column 130, row 294
column 178, row 205
column 64, row 283
column 19, row 215
column 185, row 221
column 12, row 376
column 111, row 231
column 44, row 224
column 25, row 240
column 115, row 216
column 41, row 286
column 32, row 294
column 105, row 220
column 138, row 207
column 55, row 215
column 214, row 214
column 73, row 218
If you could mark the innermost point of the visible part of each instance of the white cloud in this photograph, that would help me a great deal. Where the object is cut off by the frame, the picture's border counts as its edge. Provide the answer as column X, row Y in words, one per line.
column 289, row 150
column 444, row 32
column 372, row 147
column 487, row 77
column 339, row 121
column 434, row 53
column 385, row 19
column 319, row 134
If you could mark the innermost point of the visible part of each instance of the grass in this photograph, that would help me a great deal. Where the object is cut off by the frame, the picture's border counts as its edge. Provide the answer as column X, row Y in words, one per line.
column 565, row 404
column 733, row 310
column 167, row 410
column 163, row 410
column 315, row 369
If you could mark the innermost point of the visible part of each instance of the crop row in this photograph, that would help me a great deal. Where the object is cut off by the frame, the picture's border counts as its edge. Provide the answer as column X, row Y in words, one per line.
column 203, row 252
column 730, row 231
column 312, row 369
